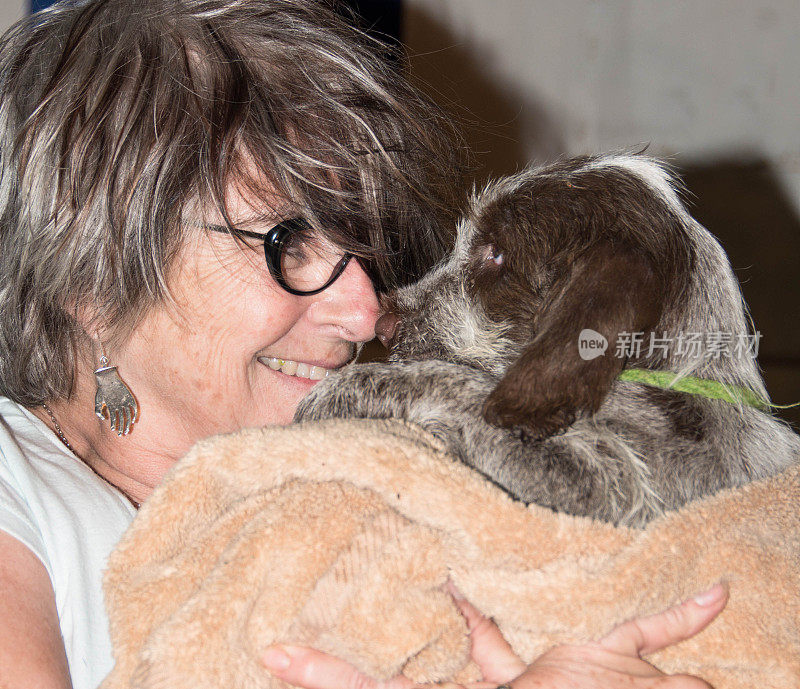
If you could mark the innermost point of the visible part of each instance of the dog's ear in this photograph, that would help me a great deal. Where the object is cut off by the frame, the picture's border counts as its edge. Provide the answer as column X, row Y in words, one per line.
column 610, row 290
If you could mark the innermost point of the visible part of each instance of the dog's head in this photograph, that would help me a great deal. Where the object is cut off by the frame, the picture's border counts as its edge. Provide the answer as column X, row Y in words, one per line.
column 598, row 247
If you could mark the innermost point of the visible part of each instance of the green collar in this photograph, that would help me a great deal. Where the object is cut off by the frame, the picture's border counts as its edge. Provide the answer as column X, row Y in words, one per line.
column 699, row 386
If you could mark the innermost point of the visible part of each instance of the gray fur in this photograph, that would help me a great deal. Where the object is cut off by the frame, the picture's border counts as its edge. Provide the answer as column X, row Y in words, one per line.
column 642, row 451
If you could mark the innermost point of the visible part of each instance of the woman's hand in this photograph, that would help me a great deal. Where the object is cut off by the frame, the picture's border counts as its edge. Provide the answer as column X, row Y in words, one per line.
column 612, row 662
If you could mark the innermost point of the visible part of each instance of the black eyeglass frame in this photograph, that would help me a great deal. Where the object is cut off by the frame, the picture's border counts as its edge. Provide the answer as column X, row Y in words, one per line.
column 274, row 242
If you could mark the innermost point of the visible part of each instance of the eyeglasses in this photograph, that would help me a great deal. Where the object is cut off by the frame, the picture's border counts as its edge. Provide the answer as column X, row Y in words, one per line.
column 298, row 260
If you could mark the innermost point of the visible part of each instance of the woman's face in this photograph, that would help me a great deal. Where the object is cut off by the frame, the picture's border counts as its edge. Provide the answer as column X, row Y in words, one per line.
column 202, row 365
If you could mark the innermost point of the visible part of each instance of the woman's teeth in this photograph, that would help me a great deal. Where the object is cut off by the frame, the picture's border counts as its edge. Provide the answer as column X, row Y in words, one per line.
column 293, row 368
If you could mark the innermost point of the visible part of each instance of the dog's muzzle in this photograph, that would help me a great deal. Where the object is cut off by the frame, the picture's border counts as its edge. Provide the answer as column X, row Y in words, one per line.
column 386, row 328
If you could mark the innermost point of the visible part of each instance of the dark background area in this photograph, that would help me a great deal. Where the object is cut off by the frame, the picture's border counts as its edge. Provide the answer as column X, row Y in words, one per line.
column 742, row 203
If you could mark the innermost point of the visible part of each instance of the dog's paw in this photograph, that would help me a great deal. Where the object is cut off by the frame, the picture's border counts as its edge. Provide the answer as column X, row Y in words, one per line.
column 327, row 399
column 345, row 394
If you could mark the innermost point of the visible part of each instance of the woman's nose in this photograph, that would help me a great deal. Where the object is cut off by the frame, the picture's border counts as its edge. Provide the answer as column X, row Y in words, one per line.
column 349, row 305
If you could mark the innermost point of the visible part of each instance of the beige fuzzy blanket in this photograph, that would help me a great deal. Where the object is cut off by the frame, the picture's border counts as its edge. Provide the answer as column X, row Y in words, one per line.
column 340, row 534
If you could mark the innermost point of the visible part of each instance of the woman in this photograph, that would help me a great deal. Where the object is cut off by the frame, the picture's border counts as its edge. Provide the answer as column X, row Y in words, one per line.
column 199, row 202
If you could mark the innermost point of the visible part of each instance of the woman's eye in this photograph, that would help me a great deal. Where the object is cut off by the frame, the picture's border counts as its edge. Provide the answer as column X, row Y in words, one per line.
column 490, row 253
column 297, row 251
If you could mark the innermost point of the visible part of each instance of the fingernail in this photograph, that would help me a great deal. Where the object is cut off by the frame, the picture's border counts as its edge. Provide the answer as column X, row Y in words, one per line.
column 275, row 659
column 711, row 596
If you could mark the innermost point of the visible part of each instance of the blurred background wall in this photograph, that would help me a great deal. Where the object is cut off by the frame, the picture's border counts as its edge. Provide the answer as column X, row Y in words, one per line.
column 711, row 85
column 10, row 11
column 696, row 80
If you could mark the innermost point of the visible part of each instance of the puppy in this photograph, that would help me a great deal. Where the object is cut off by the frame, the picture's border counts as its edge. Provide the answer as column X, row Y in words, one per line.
column 564, row 278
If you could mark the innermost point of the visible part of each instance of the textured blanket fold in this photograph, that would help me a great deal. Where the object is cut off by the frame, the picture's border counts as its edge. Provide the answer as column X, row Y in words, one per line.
column 340, row 534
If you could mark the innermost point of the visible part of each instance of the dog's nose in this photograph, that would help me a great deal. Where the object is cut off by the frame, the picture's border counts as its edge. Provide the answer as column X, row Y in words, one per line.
column 385, row 328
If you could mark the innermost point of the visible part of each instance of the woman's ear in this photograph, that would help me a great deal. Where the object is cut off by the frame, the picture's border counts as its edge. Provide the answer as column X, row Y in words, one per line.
column 610, row 290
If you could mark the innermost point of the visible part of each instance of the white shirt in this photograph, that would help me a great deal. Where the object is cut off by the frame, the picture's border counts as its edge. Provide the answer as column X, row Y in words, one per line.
column 71, row 519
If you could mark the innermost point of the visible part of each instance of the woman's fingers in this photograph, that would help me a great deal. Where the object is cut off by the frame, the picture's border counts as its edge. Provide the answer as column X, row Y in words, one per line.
column 649, row 634
column 492, row 653
column 601, row 664
column 310, row 669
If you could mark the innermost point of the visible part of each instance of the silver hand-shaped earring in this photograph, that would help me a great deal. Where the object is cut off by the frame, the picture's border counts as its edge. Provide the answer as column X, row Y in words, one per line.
column 114, row 400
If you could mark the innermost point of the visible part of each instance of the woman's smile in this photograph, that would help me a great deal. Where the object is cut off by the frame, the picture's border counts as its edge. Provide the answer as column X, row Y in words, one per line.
column 295, row 368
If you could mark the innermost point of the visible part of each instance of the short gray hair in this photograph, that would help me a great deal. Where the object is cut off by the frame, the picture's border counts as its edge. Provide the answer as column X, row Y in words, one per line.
column 115, row 114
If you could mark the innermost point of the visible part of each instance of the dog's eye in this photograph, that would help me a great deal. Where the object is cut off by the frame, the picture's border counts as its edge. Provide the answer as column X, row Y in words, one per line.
column 491, row 253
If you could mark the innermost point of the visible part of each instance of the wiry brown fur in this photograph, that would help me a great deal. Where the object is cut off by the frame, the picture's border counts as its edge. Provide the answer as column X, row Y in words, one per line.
column 486, row 355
